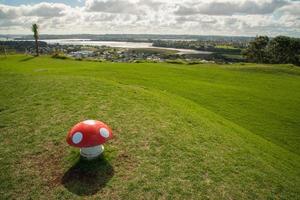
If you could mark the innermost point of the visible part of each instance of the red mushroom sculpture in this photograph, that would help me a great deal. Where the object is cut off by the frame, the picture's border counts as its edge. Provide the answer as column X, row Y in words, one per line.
column 89, row 136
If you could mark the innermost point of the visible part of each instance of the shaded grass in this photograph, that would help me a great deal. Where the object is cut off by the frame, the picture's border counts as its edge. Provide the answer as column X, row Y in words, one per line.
column 27, row 58
column 88, row 177
column 176, row 133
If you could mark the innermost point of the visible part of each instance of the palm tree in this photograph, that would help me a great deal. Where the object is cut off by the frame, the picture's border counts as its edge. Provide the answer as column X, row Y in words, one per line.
column 35, row 30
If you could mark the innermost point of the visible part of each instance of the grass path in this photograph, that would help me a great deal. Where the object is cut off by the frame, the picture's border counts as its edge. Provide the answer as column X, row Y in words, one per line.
column 190, row 132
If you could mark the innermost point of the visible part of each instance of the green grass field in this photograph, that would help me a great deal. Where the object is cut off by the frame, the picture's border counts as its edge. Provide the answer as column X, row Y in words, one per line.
column 181, row 131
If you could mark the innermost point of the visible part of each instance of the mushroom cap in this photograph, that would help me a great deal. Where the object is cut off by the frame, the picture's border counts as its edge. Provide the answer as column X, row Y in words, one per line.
column 89, row 133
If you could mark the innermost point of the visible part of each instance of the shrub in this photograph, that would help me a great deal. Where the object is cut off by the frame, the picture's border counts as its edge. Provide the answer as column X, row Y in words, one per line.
column 59, row 56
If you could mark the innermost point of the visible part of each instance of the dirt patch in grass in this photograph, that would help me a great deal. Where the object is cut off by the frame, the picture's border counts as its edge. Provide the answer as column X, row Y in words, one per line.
column 47, row 164
column 125, row 161
column 47, row 168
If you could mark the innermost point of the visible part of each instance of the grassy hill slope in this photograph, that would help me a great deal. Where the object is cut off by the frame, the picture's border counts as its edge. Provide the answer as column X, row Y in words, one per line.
column 201, row 131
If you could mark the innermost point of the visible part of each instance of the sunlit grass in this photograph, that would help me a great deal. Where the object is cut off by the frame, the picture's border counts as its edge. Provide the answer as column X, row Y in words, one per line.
column 182, row 132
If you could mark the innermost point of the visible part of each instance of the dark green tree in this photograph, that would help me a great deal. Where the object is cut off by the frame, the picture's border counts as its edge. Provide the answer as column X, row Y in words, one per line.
column 35, row 30
column 284, row 49
column 256, row 51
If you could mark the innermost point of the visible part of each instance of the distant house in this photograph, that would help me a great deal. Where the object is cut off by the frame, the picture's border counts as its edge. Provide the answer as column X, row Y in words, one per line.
column 82, row 54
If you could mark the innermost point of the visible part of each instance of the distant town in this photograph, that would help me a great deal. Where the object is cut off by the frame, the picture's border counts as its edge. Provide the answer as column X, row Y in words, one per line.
column 185, row 49
column 164, row 48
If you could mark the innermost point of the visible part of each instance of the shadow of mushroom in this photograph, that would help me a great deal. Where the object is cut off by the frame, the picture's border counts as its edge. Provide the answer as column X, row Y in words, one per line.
column 88, row 177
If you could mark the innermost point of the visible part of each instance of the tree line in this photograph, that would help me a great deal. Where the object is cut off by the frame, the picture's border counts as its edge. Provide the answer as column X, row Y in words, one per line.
column 281, row 49
column 212, row 46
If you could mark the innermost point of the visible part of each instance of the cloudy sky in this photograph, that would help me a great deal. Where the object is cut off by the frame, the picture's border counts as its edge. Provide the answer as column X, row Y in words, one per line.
column 204, row 17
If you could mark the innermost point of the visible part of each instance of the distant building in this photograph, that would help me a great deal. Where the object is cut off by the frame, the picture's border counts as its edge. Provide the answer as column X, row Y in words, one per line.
column 82, row 54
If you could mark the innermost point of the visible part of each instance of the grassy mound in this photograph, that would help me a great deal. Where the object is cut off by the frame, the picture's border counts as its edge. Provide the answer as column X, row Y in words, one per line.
column 191, row 132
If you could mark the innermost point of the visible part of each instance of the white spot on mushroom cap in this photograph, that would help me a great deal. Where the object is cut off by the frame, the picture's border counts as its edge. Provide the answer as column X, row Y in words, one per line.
column 89, row 122
column 104, row 132
column 77, row 137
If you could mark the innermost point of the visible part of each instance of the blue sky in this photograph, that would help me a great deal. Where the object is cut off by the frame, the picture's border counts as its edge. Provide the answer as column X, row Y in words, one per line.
column 203, row 17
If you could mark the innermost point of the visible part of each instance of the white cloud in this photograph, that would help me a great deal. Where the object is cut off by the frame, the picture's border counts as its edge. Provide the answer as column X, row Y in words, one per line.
column 9, row 12
column 42, row 10
column 45, row 9
column 237, row 17
column 112, row 6
column 229, row 7
column 293, row 8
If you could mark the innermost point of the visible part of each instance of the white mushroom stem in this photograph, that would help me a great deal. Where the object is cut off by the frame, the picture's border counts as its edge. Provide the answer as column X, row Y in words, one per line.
column 91, row 152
